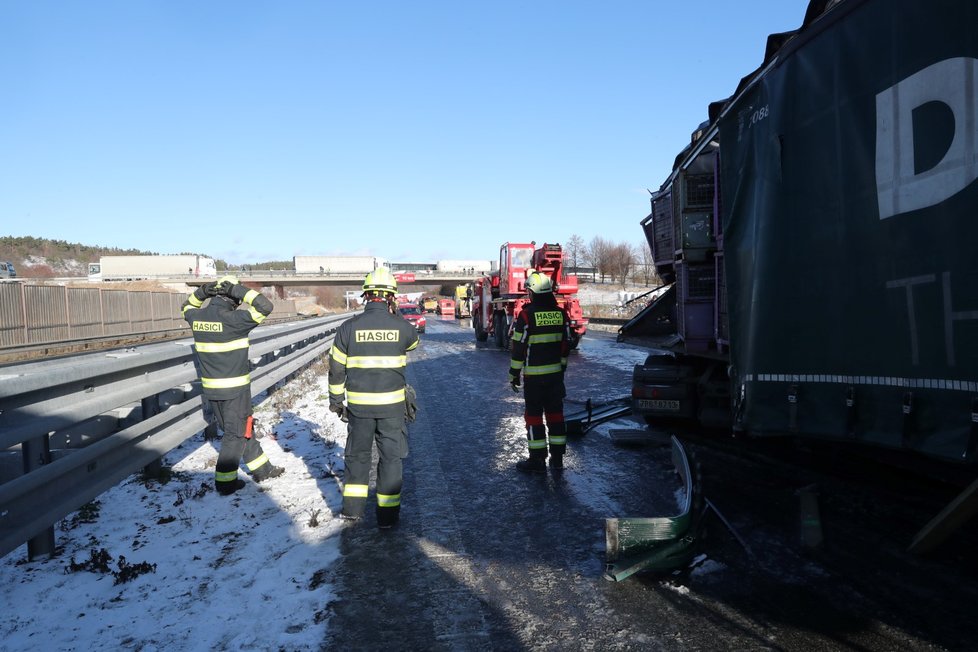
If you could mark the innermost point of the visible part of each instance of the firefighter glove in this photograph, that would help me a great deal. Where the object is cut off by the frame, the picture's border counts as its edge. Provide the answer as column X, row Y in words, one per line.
column 340, row 410
column 212, row 289
column 514, row 382
column 237, row 291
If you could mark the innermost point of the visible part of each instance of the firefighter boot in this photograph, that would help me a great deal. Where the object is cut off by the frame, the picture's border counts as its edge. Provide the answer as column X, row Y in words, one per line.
column 532, row 465
column 267, row 472
column 387, row 517
column 556, row 461
column 228, row 488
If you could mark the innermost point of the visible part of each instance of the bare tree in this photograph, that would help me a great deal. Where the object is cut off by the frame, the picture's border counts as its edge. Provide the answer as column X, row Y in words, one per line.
column 596, row 256
column 575, row 251
column 620, row 260
column 646, row 265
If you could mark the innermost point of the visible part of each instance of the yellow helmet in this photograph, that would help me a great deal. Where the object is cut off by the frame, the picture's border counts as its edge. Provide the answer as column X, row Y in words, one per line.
column 380, row 280
column 538, row 282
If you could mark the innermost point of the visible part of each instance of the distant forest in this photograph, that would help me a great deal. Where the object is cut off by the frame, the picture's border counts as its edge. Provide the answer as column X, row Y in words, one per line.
column 44, row 258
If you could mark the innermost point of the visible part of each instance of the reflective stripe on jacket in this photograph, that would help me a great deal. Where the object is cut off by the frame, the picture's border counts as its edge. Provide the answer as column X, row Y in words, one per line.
column 221, row 341
column 367, row 362
column 541, row 341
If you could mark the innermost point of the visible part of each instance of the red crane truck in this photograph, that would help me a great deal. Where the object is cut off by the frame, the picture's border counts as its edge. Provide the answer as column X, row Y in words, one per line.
column 498, row 298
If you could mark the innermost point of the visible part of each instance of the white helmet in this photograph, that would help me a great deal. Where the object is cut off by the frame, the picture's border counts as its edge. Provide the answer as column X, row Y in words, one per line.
column 538, row 283
column 380, row 280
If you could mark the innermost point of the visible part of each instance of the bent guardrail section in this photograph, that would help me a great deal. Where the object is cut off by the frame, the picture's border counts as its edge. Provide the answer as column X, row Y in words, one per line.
column 38, row 401
column 653, row 543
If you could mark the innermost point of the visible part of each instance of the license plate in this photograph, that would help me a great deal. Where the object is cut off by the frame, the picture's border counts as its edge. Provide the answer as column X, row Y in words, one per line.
column 658, row 404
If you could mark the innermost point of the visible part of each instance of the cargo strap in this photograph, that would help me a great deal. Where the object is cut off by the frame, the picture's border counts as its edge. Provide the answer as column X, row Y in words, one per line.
column 907, row 418
column 793, row 408
column 851, row 411
column 969, row 452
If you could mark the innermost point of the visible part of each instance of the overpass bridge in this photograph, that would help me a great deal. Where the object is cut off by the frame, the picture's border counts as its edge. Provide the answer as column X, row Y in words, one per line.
column 288, row 278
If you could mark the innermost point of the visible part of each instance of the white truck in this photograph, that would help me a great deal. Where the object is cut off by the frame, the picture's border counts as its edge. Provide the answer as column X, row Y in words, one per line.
column 135, row 268
column 337, row 265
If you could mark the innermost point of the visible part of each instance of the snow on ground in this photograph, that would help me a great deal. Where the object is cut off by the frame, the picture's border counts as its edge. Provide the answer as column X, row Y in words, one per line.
column 203, row 571
column 242, row 572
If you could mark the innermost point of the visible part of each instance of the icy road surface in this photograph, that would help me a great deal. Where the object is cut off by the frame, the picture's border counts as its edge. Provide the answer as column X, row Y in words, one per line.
column 485, row 558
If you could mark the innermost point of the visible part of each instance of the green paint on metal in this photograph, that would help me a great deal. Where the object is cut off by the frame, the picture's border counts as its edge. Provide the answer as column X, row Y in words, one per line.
column 653, row 543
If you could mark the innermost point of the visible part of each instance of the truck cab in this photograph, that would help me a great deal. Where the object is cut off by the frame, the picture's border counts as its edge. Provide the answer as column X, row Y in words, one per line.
column 514, row 260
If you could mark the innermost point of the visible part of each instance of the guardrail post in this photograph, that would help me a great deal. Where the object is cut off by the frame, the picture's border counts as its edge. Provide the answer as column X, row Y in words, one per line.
column 266, row 359
column 23, row 312
column 67, row 311
column 37, row 453
column 101, row 310
column 151, row 406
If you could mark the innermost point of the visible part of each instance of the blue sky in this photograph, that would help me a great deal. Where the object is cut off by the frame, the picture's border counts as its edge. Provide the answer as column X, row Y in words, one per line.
column 256, row 131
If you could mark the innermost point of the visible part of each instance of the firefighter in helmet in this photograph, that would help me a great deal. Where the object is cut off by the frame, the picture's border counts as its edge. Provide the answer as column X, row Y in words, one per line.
column 221, row 342
column 367, row 365
column 541, row 342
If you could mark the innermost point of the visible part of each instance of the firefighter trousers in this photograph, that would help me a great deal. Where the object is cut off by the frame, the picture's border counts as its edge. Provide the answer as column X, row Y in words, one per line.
column 389, row 433
column 544, row 415
column 232, row 417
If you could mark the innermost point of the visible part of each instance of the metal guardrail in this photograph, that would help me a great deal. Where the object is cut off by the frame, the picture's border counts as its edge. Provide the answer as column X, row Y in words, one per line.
column 655, row 543
column 580, row 421
column 40, row 400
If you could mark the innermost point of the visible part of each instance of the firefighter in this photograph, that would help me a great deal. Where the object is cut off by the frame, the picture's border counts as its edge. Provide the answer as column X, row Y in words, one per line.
column 541, row 342
column 366, row 367
column 221, row 341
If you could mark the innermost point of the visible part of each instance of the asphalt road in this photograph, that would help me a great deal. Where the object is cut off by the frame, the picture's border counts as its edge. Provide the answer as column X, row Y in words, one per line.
column 488, row 558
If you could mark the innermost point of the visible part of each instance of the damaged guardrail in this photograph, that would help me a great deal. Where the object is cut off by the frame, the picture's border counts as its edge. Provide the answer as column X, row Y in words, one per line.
column 664, row 543
column 580, row 421
column 41, row 401
column 653, row 543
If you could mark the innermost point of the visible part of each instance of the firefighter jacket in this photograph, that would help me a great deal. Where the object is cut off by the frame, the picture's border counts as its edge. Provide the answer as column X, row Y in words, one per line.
column 221, row 338
column 541, row 341
column 368, row 360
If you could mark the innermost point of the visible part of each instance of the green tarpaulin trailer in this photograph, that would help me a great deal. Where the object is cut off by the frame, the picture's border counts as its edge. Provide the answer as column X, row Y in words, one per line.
column 823, row 228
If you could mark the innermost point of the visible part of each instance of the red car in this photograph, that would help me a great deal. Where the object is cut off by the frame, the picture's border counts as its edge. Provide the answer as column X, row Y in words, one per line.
column 414, row 314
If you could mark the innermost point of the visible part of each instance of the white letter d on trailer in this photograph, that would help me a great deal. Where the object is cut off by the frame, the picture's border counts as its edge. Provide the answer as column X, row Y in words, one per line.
column 953, row 82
